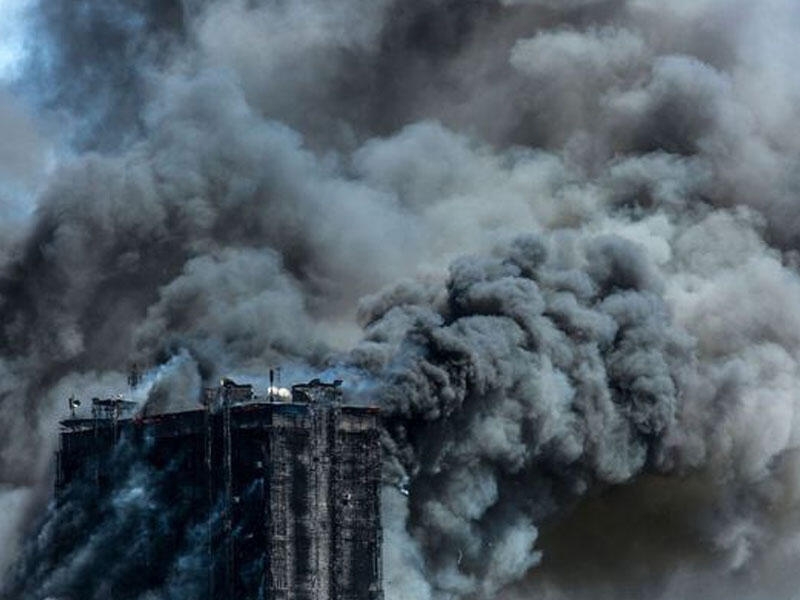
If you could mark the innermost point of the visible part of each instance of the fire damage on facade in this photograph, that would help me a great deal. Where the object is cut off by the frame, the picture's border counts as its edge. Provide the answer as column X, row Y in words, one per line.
column 281, row 492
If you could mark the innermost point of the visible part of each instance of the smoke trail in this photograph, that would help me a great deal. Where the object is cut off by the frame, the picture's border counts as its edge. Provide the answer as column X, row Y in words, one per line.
column 589, row 206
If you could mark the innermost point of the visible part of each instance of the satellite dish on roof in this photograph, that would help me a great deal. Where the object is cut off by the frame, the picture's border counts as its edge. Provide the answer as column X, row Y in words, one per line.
column 73, row 404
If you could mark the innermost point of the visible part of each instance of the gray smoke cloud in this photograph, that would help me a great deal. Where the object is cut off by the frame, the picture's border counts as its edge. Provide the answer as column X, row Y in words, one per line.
column 23, row 161
column 534, row 376
column 555, row 240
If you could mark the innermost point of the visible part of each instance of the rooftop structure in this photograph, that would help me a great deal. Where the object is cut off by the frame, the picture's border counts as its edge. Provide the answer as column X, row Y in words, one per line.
column 285, row 492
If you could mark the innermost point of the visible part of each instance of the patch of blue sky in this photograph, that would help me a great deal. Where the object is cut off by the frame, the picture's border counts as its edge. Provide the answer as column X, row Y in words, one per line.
column 13, row 37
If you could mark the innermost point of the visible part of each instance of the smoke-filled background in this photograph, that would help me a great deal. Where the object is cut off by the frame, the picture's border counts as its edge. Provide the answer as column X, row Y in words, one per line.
column 557, row 240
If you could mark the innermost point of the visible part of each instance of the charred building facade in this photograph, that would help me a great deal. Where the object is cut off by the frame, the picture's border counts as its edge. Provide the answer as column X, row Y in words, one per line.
column 282, row 497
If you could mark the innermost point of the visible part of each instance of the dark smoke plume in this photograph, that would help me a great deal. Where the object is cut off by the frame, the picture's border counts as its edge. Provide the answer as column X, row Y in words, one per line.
column 530, row 379
column 557, row 241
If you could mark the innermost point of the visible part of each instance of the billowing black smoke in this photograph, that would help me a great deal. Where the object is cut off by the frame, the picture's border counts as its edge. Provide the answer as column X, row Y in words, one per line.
column 556, row 240
column 532, row 376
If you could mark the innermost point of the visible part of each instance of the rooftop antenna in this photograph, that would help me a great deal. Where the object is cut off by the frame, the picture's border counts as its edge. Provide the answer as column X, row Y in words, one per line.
column 271, row 384
column 134, row 376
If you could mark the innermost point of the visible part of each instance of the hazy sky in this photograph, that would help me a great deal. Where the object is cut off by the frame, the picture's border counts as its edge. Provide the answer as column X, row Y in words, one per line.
column 12, row 36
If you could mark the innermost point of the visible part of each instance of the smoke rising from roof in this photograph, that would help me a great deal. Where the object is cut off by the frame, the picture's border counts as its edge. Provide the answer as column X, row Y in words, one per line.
column 557, row 240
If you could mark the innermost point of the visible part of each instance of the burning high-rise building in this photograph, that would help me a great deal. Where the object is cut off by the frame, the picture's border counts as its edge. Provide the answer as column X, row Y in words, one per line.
column 281, row 493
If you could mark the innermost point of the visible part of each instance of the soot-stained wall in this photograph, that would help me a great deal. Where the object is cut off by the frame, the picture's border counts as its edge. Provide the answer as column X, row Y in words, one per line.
column 267, row 500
